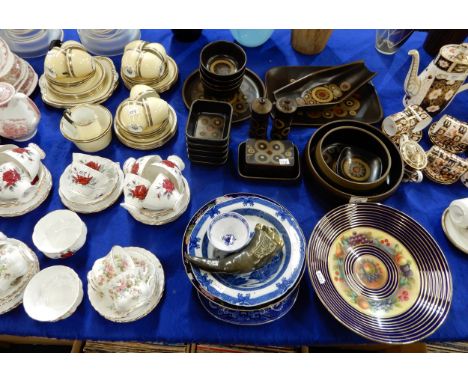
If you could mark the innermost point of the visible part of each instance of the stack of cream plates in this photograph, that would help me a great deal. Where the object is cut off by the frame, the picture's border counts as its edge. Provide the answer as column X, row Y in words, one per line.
column 126, row 285
column 145, row 63
column 53, row 294
column 18, row 264
column 90, row 183
column 71, row 77
column 16, row 71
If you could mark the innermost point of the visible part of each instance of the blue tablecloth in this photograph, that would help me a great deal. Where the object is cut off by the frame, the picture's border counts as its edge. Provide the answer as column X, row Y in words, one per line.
column 179, row 316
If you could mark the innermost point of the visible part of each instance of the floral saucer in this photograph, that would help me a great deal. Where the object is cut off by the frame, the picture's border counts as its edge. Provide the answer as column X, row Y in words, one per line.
column 103, row 304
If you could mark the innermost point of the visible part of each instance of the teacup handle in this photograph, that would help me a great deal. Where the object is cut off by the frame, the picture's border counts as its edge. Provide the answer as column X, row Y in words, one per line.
column 69, row 124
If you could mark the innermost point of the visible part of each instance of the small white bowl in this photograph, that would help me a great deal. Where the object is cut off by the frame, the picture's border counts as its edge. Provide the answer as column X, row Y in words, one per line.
column 229, row 232
column 59, row 234
column 53, row 294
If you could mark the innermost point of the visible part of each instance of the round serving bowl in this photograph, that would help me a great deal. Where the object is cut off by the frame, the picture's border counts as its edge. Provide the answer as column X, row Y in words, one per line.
column 382, row 192
column 355, row 140
column 59, row 234
column 222, row 61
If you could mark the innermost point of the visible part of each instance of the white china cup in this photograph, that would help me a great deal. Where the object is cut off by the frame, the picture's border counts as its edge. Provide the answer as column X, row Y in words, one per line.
column 162, row 195
column 82, row 123
column 29, row 158
column 59, row 234
column 135, row 191
column 229, row 232
column 458, row 212
column 15, row 184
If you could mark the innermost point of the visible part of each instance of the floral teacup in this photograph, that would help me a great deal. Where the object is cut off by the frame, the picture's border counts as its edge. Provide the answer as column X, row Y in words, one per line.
column 444, row 167
column 86, row 181
column 15, row 184
column 162, row 194
column 27, row 157
column 135, row 191
column 106, row 268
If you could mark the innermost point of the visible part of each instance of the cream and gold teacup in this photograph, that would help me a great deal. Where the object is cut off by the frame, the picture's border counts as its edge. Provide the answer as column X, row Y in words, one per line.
column 410, row 120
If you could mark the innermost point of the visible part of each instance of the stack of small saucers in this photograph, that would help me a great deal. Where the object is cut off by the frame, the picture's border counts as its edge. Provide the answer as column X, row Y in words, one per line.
column 144, row 121
column 53, row 294
column 90, row 183
column 29, row 43
column 18, row 264
column 145, row 63
column 155, row 190
column 225, row 288
column 208, row 132
column 24, row 181
column 16, row 71
column 72, row 76
column 126, row 285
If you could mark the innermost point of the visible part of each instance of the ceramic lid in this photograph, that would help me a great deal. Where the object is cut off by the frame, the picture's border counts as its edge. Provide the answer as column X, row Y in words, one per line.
column 455, row 53
column 286, row 105
column 262, row 105
column 7, row 92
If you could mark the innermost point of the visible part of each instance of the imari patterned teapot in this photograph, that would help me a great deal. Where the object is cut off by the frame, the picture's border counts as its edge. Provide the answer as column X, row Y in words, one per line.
column 440, row 82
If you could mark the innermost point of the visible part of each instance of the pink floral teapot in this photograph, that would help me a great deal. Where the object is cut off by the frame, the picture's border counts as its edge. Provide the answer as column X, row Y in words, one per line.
column 440, row 82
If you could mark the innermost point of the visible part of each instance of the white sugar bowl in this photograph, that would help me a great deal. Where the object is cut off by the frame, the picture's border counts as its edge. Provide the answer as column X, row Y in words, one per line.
column 59, row 234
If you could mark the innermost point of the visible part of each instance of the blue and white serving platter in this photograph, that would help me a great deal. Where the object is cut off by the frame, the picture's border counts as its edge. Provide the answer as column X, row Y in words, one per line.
column 261, row 287
column 379, row 273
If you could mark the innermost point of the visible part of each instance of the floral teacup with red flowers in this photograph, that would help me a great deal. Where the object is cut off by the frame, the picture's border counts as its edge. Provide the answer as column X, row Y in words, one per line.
column 135, row 191
column 13, row 264
column 15, row 184
column 29, row 158
column 162, row 194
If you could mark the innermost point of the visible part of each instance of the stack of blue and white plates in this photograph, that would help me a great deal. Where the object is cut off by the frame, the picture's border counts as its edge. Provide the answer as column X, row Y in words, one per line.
column 257, row 297
column 379, row 273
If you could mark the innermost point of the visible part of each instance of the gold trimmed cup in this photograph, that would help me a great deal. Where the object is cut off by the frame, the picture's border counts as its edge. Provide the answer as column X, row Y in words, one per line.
column 450, row 134
column 444, row 167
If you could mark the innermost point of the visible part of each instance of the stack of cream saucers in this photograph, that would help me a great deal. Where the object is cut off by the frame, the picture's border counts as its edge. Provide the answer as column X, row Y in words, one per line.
column 90, row 183
column 18, row 264
column 126, row 284
column 53, row 294
column 144, row 121
column 145, row 63
column 16, row 71
column 72, row 76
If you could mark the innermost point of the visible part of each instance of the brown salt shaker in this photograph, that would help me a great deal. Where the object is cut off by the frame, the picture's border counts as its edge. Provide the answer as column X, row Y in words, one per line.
column 260, row 111
column 285, row 108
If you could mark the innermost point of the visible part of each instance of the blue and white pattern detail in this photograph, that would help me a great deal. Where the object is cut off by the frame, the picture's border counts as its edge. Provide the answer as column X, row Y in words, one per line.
column 262, row 285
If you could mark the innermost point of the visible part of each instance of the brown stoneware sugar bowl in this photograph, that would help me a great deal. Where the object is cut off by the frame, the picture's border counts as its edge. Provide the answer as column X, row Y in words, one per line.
column 364, row 161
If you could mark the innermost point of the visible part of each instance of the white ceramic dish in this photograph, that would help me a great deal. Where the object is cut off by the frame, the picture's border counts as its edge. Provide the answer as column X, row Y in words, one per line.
column 229, row 232
column 53, row 294
column 59, row 234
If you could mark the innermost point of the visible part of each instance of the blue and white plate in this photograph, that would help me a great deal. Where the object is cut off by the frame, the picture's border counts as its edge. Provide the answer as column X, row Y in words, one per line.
column 255, row 288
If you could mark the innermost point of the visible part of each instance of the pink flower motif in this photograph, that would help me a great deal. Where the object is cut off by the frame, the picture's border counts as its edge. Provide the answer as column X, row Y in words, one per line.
column 10, row 177
column 403, row 295
column 20, row 150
